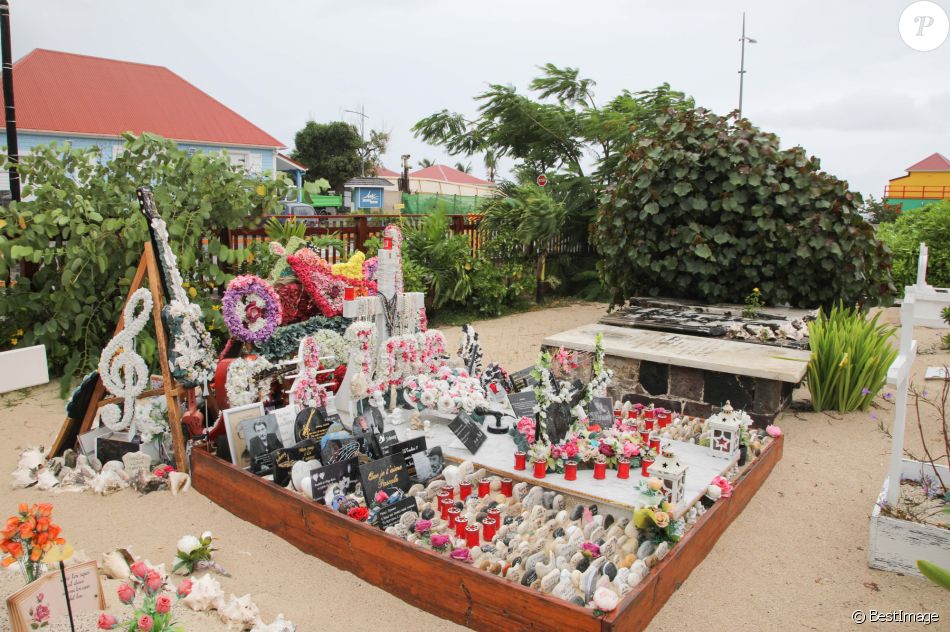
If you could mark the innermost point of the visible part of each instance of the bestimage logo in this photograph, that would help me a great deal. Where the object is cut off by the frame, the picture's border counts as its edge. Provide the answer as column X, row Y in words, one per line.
column 924, row 26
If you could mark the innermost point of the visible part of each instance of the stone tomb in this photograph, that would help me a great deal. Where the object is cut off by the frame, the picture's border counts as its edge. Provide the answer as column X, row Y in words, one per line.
column 691, row 374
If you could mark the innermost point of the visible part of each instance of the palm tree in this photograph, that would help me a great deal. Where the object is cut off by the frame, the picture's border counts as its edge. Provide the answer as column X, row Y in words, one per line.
column 463, row 167
column 491, row 164
column 425, row 162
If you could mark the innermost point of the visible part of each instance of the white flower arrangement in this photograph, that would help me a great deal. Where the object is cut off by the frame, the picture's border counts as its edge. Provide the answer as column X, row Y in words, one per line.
column 240, row 385
column 151, row 418
column 449, row 391
column 123, row 371
column 331, row 344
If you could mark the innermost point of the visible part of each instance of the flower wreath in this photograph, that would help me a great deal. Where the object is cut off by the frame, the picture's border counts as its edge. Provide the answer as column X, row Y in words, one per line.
column 325, row 288
column 432, row 353
column 251, row 308
column 240, row 385
column 401, row 360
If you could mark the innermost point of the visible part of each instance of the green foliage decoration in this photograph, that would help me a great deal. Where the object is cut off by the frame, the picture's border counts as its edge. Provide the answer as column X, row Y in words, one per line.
column 285, row 340
column 850, row 355
column 80, row 227
column 708, row 206
column 929, row 224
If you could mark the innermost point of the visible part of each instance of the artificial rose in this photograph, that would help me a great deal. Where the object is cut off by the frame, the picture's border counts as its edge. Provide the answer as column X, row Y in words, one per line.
column 153, row 581
column 724, row 485
column 106, row 621
column 662, row 519
column 439, row 540
column 41, row 613
column 654, row 484
column 570, row 450
column 773, row 431
column 606, row 450
column 188, row 543
column 381, row 497
column 145, row 623
column 184, row 588
column 462, row 555
column 630, row 449
column 714, row 492
column 590, row 549
column 423, row 526
column 605, row 599
column 126, row 593
column 206, row 535
column 163, row 604
column 139, row 569
column 358, row 513
column 593, row 428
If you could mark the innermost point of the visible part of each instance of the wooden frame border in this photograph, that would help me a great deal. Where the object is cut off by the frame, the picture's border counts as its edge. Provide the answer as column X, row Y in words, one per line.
column 454, row 590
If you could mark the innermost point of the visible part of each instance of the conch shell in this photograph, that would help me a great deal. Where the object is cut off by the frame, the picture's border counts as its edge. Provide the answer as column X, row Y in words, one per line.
column 179, row 482
column 239, row 613
column 115, row 566
column 280, row 624
column 206, row 594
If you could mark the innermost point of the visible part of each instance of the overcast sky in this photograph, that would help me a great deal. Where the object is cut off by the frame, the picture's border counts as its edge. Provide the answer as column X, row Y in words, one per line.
column 834, row 77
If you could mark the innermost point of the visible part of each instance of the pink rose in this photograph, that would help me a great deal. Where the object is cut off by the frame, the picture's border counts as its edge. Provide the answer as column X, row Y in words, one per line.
column 462, row 555
column 605, row 599
column 724, row 485
column 423, row 526
column 381, row 496
column 106, row 621
column 126, row 593
column 773, row 431
column 555, row 452
column 145, row 623
column 184, row 588
column 139, row 569
column 41, row 613
column 153, row 581
column 163, row 604
column 630, row 449
column 439, row 540
column 591, row 549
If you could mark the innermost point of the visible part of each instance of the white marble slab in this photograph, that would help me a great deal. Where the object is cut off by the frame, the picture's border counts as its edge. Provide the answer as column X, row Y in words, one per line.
column 497, row 454
column 713, row 354
column 20, row 368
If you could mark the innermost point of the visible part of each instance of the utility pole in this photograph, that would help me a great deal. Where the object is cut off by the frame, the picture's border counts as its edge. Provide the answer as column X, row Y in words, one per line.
column 743, row 39
column 363, row 117
column 9, row 109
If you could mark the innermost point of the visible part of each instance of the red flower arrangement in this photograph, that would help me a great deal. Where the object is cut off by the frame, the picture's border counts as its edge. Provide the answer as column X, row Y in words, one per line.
column 28, row 536
column 295, row 303
column 325, row 288
column 358, row 513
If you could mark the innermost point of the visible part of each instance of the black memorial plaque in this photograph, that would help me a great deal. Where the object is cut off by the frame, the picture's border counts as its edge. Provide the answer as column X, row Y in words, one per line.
column 468, row 431
column 343, row 475
column 523, row 403
column 384, row 474
column 284, row 459
column 390, row 514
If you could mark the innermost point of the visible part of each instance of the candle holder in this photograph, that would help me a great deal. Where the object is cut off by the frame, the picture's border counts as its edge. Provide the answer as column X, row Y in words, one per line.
column 570, row 471
column 645, row 463
column 483, row 488
column 520, row 460
column 644, row 436
column 387, row 243
column 465, row 490
column 455, row 514
column 495, row 514
column 623, row 468
column 448, row 489
column 648, row 423
column 540, row 468
column 460, row 523
column 472, row 535
column 444, row 507
column 349, row 293
column 488, row 529
column 600, row 469
column 664, row 417
column 506, row 485
column 655, row 442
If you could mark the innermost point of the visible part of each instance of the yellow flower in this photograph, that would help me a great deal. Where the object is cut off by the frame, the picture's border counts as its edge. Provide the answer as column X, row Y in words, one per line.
column 261, row 190
column 844, row 362
column 13, row 341
column 216, row 307
column 192, row 292
column 755, row 290
column 19, row 333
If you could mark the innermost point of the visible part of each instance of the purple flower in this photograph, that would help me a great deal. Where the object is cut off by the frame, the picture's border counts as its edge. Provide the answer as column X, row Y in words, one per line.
column 865, row 391
column 888, row 396
column 248, row 300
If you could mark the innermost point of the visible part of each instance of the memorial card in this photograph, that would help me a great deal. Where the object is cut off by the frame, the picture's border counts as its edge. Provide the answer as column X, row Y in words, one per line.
column 236, row 442
column 468, row 432
column 523, row 380
column 340, row 477
column 523, row 403
column 390, row 514
column 364, row 431
column 371, row 414
column 385, row 442
column 406, row 449
column 261, row 440
column 311, row 423
column 388, row 474
column 43, row 602
column 286, row 418
column 600, row 411
column 284, row 459
column 428, row 464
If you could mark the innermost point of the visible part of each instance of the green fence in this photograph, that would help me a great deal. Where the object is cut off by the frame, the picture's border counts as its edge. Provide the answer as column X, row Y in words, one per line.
column 426, row 203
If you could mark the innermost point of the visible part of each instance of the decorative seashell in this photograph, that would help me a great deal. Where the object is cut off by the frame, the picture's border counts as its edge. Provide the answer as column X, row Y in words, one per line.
column 30, row 459
column 662, row 550
column 107, row 482
column 178, row 482
column 114, row 565
column 239, row 613
column 23, row 477
column 280, row 624
column 206, row 594
column 452, row 475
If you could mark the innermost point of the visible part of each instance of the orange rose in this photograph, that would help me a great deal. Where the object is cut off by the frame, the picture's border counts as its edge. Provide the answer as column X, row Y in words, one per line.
column 42, row 538
column 26, row 531
column 24, row 508
column 42, row 524
column 46, row 509
column 35, row 554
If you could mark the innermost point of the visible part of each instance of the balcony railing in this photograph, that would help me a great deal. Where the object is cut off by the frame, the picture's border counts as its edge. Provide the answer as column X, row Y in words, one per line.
column 932, row 192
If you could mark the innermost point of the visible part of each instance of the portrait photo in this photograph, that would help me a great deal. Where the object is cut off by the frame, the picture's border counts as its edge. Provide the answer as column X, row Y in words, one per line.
column 232, row 418
column 261, row 438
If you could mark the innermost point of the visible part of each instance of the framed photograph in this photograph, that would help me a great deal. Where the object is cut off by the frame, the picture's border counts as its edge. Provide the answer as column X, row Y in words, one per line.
column 262, row 438
column 371, row 414
column 232, row 418
column 428, row 464
column 364, row 431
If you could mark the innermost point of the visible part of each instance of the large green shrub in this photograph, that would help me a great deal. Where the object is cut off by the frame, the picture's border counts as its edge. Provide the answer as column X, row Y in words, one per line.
column 929, row 224
column 80, row 226
column 709, row 208
column 445, row 259
column 850, row 355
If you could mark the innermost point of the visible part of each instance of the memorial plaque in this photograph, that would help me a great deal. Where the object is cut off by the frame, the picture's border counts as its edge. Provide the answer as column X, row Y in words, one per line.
column 47, row 595
column 428, row 464
column 112, row 449
column 523, row 403
column 284, row 459
column 342, row 476
column 390, row 514
column 468, row 432
column 311, row 423
column 386, row 441
column 523, row 379
column 407, row 449
column 261, row 440
column 600, row 411
column 384, row 474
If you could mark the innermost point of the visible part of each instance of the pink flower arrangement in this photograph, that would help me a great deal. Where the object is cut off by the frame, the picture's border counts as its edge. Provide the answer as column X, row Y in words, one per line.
column 723, row 484
column 154, row 614
column 630, row 449
column 527, row 426
column 439, row 541
column 773, row 431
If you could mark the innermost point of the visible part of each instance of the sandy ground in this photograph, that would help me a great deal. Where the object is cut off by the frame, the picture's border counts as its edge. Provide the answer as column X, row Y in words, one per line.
column 795, row 559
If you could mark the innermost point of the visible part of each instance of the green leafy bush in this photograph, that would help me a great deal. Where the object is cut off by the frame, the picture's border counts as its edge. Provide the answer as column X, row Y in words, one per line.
column 929, row 224
column 850, row 355
column 709, row 207
column 445, row 258
column 81, row 227
column 496, row 285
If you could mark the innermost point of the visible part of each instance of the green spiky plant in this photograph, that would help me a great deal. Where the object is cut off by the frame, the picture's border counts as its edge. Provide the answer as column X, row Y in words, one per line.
column 850, row 355
column 934, row 573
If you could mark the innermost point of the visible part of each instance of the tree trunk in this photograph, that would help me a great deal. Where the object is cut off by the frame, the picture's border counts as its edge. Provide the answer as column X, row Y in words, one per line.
column 539, row 280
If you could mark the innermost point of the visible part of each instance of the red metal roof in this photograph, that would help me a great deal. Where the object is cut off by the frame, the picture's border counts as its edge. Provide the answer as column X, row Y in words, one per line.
column 933, row 162
column 383, row 172
column 283, row 157
column 65, row 92
column 447, row 174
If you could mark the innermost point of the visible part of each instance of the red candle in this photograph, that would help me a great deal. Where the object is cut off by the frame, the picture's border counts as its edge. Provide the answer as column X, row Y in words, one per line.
column 448, row 489
column 444, row 503
column 570, row 471
column 655, row 443
column 506, row 487
column 649, row 413
column 495, row 514
column 465, row 490
column 600, row 470
column 488, row 529
column 631, row 414
column 520, row 460
column 623, row 468
column 648, row 423
column 540, row 468
column 664, row 417
column 644, row 436
column 460, row 523
column 471, row 535
column 349, row 293
column 645, row 462
column 483, row 488
column 454, row 514
column 387, row 243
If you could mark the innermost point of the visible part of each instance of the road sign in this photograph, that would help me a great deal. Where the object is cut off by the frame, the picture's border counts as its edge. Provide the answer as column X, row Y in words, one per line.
column 542, row 180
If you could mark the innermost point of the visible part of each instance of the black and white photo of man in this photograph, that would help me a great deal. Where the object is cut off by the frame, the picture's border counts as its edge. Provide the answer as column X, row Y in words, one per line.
column 262, row 440
column 363, row 431
column 428, row 464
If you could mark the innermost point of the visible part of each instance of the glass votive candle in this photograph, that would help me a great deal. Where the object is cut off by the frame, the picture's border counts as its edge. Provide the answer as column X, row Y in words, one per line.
column 520, row 460
column 648, row 423
column 448, row 489
column 600, row 470
column 349, row 294
column 495, row 514
column 655, row 442
column 664, row 417
column 460, row 523
column 570, row 471
column 623, row 468
column 506, row 485
column 465, row 490
column 649, row 413
column 644, row 436
column 483, row 488
column 488, row 529
column 645, row 463
column 472, row 533
column 387, row 243
column 454, row 515
column 540, row 468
